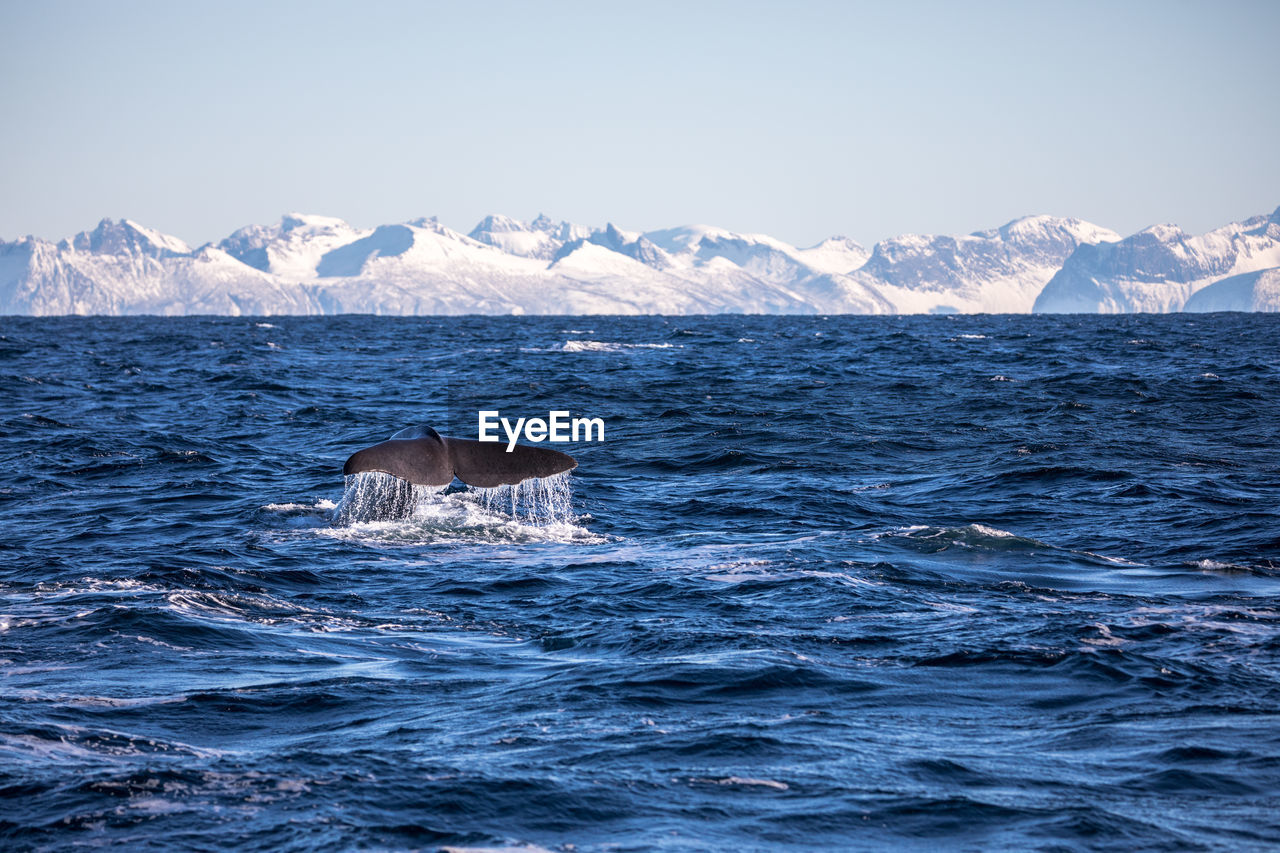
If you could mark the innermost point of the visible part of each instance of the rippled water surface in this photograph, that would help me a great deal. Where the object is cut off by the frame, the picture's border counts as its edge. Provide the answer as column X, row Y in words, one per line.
column 980, row 582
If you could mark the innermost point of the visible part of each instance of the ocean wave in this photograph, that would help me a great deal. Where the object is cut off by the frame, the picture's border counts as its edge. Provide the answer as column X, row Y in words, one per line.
column 61, row 742
column 983, row 537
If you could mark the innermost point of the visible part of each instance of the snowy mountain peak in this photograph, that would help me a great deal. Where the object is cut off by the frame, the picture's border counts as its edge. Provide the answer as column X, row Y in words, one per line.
column 685, row 237
column 703, row 239
column 585, row 256
column 624, row 243
column 527, row 240
column 293, row 246
column 124, row 236
column 566, row 231
column 496, row 223
column 644, row 251
column 311, row 222
column 839, row 241
column 431, row 224
column 835, row 255
column 1272, row 226
column 386, row 241
column 615, row 235
column 1042, row 227
column 1025, row 226
column 1165, row 232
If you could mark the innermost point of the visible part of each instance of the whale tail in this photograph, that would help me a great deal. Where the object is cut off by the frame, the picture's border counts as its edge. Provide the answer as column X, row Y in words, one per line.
column 486, row 464
column 422, row 456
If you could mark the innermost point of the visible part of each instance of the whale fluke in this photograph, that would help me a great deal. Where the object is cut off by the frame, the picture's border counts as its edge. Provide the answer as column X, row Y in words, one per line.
column 422, row 456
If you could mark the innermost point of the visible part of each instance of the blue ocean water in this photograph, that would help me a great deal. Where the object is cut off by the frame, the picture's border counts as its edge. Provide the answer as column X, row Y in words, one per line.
column 828, row 583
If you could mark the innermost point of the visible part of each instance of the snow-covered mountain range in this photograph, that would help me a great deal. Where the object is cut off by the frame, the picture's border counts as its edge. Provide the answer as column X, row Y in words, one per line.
column 1162, row 269
column 307, row 264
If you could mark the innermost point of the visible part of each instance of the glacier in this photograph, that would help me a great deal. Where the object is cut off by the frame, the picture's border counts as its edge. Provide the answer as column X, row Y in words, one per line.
column 310, row 264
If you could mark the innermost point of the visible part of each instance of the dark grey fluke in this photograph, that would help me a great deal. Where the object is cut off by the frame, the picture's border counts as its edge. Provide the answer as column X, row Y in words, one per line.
column 423, row 456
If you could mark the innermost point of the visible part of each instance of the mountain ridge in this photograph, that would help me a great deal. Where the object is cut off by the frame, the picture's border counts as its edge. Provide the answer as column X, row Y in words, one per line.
column 313, row 264
column 1160, row 268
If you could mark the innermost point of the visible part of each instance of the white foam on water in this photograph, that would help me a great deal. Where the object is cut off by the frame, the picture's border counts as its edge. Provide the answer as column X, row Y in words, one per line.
column 745, row 781
column 322, row 504
column 991, row 531
column 1220, row 566
column 965, row 535
column 513, row 848
column 609, row 346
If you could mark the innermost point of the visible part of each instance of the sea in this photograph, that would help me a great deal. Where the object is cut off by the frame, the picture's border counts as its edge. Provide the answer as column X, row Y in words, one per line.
column 826, row 583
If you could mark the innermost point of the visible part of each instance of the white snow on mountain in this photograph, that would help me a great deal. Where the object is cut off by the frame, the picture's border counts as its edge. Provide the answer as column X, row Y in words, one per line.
column 293, row 247
column 766, row 275
column 1159, row 268
column 122, row 268
column 996, row 271
column 307, row 264
column 128, row 236
column 423, row 267
column 835, row 255
column 695, row 245
column 540, row 238
column 1250, row 291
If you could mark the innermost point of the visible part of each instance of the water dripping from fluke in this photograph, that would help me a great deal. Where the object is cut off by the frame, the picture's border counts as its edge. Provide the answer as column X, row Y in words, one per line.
column 538, row 501
column 374, row 496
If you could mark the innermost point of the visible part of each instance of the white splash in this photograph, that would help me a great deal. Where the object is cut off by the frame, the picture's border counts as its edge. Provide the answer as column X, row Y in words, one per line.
column 609, row 346
column 539, row 500
column 745, row 781
column 377, row 496
column 377, row 507
column 322, row 504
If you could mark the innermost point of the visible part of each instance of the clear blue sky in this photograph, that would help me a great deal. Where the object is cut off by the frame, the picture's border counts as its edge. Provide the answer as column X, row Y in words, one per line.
column 796, row 119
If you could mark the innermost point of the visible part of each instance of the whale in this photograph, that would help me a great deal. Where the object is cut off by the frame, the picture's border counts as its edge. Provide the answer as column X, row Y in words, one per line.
column 424, row 457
